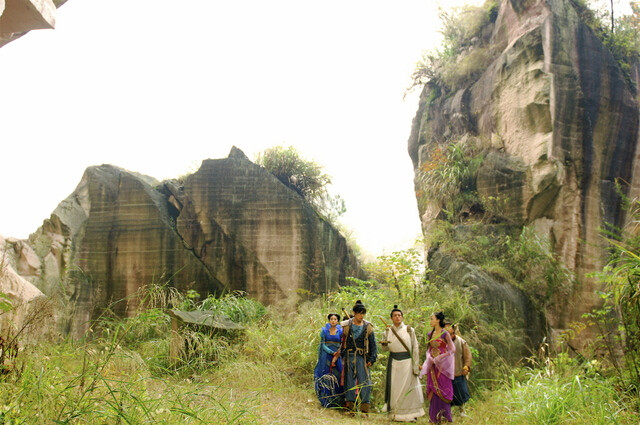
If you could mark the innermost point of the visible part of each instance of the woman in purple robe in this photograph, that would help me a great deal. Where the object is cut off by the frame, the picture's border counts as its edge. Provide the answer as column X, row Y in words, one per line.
column 328, row 370
column 439, row 368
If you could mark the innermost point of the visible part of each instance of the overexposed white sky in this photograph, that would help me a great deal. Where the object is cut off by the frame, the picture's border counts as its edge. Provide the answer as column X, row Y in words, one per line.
column 156, row 86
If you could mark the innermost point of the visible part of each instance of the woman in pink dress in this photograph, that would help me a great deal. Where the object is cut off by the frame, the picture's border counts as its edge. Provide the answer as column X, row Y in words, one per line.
column 439, row 368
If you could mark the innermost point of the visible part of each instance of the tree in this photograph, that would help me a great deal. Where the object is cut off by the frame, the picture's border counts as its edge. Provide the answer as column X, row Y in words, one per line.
column 612, row 18
column 401, row 270
column 305, row 177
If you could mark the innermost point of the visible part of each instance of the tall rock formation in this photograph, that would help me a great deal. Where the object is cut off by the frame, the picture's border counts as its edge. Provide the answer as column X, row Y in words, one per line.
column 258, row 235
column 229, row 226
column 560, row 124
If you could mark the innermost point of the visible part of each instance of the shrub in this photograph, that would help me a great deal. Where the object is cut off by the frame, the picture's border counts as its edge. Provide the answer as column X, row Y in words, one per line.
column 303, row 176
column 512, row 254
column 563, row 391
column 621, row 34
column 618, row 321
column 448, row 176
column 465, row 52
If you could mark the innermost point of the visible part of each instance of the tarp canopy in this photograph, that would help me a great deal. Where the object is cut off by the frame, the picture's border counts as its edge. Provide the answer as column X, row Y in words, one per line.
column 206, row 318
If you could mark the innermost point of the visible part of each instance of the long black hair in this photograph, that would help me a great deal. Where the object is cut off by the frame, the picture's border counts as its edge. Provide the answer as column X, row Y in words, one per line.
column 333, row 314
column 440, row 317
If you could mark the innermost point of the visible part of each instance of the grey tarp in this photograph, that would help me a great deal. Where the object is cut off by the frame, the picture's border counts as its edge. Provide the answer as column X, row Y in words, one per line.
column 206, row 318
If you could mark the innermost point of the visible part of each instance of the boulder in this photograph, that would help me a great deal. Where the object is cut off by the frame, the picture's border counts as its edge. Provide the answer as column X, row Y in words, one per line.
column 20, row 294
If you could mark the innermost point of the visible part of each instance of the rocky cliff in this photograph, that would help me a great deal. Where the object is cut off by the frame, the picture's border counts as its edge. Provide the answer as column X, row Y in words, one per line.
column 558, row 123
column 229, row 226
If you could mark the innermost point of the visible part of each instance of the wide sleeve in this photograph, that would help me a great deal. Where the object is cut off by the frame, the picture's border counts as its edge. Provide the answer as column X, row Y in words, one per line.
column 385, row 337
column 425, row 365
column 323, row 345
column 428, row 361
column 445, row 362
column 415, row 353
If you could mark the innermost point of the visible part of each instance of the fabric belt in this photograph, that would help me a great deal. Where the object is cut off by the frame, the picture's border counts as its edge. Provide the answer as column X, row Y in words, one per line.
column 402, row 355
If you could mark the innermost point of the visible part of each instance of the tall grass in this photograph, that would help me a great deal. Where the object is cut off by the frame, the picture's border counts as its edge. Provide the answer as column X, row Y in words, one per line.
column 264, row 375
column 104, row 383
column 119, row 374
column 564, row 391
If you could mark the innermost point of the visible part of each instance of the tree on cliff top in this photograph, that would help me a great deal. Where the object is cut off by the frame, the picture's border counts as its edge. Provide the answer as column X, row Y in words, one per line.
column 304, row 176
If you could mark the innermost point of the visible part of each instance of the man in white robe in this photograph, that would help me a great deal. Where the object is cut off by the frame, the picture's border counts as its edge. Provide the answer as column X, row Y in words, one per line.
column 403, row 395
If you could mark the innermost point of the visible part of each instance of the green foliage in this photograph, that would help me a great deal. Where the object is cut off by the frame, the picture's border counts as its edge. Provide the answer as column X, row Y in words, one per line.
column 5, row 303
column 512, row 254
column 535, row 268
column 618, row 320
column 148, row 330
column 465, row 51
column 103, row 382
column 496, row 209
column 265, row 376
column 305, row 177
column 448, row 177
column 401, row 270
column 619, row 33
column 287, row 340
column 123, row 374
column 562, row 391
column 236, row 306
column 419, row 298
column 467, row 68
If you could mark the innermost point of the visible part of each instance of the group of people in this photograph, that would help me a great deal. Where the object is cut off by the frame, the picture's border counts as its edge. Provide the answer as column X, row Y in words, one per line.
column 348, row 349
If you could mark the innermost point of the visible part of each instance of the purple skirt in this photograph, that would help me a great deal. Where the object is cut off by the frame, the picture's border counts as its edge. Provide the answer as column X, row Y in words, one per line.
column 439, row 410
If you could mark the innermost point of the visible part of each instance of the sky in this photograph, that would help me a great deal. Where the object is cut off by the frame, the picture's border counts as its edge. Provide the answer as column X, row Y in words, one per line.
column 157, row 86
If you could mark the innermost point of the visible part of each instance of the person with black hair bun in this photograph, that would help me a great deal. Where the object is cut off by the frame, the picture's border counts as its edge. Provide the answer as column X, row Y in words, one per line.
column 439, row 368
column 328, row 371
column 462, row 368
column 359, row 353
column 403, row 395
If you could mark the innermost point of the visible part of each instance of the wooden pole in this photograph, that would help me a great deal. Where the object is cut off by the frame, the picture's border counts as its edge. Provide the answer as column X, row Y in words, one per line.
column 174, row 344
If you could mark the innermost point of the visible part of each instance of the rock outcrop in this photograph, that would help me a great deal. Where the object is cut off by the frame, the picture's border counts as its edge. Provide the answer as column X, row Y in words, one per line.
column 21, row 296
column 17, row 17
column 560, row 123
column 229, row 226
column 256, row 234
column 524, row 320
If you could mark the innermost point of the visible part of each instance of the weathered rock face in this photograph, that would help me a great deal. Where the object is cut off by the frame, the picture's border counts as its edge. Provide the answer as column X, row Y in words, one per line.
column 231, row 226
column 499, row 300
column 20, row 293
column 258, row 235
column 17, row 17
column 561, row 123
